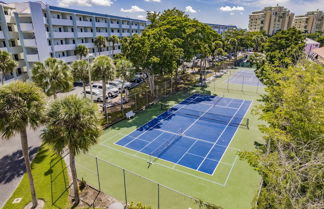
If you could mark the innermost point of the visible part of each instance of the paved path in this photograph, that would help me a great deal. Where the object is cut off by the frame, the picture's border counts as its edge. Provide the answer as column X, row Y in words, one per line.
column 12, row 165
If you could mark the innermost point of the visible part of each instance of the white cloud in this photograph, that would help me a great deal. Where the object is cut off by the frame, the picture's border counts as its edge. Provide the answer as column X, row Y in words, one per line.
column 142, row 17
column 85, row 3
column 132, row 9
column 152, row 0
column 231, row 9
column 190, row 9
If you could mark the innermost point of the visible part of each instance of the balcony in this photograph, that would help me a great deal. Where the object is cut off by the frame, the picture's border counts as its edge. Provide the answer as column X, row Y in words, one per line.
column 101, row 24
column 126, row 34
column 27, row 27
column 84, row 23
column 1, row 35
column 126, row 26
column 114, row 25
column 10, row 19
column 66, row 22
column 32, row 58
column 69, row 58
column 63, row 34
column 141, row 27
column 88, row 45
column 116, row 34
column 13, row 35
column 30, row 43
column 85, row 34
column 3, row 49
column 104, row 34
column 64, row 47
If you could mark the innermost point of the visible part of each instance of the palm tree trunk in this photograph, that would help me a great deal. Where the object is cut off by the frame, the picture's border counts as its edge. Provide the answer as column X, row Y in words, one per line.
column 200, row 73
column 2, row 77
column 121, row 98
column 74, row 178
column 24, row 146
column 104, row 94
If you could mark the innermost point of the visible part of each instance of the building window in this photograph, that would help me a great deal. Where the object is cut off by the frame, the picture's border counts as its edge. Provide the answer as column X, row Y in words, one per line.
column 71, row 18
column 6, row 12
column 72, row 29
column 16, row 57
column 80, row 18
column 60, row 29
column 0, row 28
column 61, row 42
column 49, row 42
column 58, row 17
column 13, row 43
column 63, row 53
column 9, row 28
column 81, row 29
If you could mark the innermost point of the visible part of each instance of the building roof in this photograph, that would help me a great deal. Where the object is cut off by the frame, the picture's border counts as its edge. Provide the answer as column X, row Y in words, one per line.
column 319, row 51
column 311, row 41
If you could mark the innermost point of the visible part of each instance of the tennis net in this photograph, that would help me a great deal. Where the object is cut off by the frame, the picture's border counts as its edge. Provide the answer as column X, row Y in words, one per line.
column 212, row 117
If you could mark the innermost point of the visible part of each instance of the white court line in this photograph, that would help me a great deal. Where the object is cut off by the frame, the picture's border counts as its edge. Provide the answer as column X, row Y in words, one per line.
column 228, row 175
column 151, row 142
column 151, row 127
column 180, row 171
column 220, row 136
column 184, row 154
column 234, row 133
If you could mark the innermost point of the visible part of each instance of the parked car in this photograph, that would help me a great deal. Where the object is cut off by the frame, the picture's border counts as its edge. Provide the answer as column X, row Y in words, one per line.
column 118, row 83
column 96, row 94
column 111, row 91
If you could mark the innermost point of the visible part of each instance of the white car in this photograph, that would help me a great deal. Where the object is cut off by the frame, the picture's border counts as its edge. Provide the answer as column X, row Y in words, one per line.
column 118, row 83
column 111, row 91
column 96, row 94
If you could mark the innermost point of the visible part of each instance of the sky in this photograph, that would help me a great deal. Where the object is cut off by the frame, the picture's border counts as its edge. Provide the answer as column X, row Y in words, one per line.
column 227, row 12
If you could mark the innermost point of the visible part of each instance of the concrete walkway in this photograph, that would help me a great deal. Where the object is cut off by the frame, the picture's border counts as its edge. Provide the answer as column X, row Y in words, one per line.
column 12, row 164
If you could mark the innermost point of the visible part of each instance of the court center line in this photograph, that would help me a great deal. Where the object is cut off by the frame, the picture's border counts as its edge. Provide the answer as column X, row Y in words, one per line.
column 151, row 127
column 151, row 142
column 220, row 136
column 184, row 153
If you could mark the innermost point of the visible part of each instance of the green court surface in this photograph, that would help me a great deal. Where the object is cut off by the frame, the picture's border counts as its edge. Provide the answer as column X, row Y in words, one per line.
column 124, row 173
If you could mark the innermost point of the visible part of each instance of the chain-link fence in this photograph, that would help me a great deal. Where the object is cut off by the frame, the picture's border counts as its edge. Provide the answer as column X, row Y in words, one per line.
column 128, row 187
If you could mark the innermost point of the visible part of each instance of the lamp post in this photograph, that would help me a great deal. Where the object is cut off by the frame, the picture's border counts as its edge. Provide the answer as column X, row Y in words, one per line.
column 90, row 56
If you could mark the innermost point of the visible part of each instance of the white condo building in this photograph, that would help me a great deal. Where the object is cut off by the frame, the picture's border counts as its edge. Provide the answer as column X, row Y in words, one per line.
column 34, row 31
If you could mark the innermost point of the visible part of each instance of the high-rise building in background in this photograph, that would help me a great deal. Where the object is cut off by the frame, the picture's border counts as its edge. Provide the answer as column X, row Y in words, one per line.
column 34, row 31
column 311, row 22
column 271, row 19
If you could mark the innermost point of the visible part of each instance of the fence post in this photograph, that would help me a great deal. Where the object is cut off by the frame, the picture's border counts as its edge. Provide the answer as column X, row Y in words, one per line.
column 125, row 186
column 158, row 193
column 98, row 174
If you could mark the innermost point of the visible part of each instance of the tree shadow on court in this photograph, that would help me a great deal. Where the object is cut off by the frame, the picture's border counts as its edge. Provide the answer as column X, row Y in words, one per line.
column 154, row 110
column 13, row 166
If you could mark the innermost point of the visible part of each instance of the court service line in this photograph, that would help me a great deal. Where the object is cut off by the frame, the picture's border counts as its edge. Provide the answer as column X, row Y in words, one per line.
column 220, row 136
column 235, row 132
column 184, row 154
column 151, row 142
column 151, row 127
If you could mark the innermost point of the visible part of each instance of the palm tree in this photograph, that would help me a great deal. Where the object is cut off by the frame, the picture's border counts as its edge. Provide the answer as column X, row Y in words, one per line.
column 103, row 68
column 114, row 40
column 125, row 71
column 81, row 51
column 52, row 76
column 74, row 123
column 80, row 72
column 7, row 64
column 100, row 43
column 214, row 48
column 22, row 104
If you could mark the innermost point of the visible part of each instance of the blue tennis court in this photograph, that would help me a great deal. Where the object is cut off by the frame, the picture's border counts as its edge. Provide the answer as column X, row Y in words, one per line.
column 245, row 77
column 194, row 133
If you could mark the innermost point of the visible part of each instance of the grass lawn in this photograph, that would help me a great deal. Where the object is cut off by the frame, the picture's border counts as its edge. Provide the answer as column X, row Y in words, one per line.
column 50, row 179
column 233, row 185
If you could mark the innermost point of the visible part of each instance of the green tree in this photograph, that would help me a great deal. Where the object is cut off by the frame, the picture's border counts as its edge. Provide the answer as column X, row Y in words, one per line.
column 22, row 105
column 282, row 50
column 125, row 71
column 138, row 205
column 114, row 40
column 291, row 164
column 103, row 68
column 100, row 43
column 72, row 123
column 234, row 47
column 80, row 72
column 7, row 64
column 52, row 76
column 81, row 51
